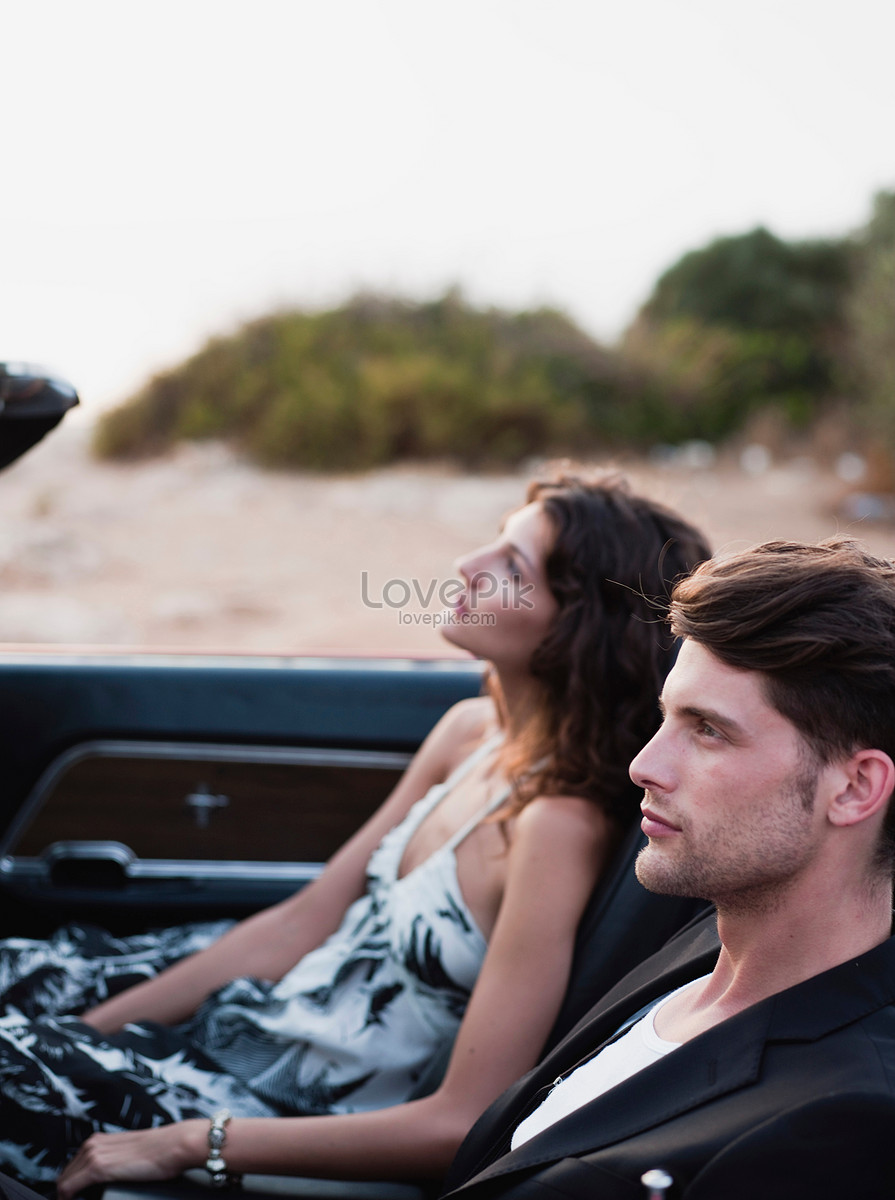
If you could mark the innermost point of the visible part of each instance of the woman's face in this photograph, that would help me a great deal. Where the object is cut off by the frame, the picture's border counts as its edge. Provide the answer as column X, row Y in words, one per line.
column 507, row 606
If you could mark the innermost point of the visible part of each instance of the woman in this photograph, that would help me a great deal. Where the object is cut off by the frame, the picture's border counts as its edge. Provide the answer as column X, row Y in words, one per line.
column 455, row 904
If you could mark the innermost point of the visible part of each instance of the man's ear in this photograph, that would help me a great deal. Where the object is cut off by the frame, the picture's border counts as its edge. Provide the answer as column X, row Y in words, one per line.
column 869, row 783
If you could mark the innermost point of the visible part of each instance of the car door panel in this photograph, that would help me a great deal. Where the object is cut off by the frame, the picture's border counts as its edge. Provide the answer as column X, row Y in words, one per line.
column 141, row 789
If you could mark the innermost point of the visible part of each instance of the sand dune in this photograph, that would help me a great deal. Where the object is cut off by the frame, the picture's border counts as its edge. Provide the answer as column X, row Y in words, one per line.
column 199, row 549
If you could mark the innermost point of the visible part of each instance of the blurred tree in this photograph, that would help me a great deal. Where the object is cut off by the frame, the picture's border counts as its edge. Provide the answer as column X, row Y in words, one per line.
column 871, row 319
column 756, row 281
column 746, row 323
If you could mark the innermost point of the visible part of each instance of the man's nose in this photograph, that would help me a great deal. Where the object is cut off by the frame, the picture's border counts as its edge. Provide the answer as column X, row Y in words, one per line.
column 647, row 767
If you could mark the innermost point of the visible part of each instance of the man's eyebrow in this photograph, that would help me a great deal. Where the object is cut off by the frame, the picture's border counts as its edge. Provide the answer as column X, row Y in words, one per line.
column 710, row 715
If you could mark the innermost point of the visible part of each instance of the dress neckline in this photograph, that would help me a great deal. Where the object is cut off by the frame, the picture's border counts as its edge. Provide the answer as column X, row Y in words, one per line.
column 441, row 791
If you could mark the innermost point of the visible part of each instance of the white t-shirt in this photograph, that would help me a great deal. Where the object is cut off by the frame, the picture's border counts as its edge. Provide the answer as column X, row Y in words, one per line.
column 637, row 1048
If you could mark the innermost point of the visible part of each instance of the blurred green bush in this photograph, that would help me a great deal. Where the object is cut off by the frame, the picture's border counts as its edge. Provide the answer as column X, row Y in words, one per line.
column 381, row 379
column 746, row 325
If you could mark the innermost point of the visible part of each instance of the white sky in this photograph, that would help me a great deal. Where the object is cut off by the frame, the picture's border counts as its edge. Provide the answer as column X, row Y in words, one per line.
column 173, row 167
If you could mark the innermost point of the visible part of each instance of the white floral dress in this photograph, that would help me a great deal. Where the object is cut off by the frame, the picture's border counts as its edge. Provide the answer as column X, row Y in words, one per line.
column 351, row 1027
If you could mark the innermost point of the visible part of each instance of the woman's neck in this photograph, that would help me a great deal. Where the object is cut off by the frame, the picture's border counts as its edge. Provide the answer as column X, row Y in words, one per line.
column 520, row 698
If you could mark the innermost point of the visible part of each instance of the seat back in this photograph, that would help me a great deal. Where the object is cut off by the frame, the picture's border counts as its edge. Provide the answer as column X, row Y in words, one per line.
column 622, row 925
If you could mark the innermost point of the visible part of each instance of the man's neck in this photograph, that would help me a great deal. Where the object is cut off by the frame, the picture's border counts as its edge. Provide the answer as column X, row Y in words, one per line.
column 766, row 951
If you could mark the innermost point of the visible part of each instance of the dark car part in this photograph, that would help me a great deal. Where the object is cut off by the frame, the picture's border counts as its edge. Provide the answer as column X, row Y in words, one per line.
column 32, row 403
column 104, row 756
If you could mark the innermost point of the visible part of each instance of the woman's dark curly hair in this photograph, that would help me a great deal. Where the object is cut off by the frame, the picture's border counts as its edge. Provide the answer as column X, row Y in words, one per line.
column 604, row 660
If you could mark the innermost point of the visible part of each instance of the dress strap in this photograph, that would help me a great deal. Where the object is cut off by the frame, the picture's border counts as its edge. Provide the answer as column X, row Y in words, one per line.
column 486, row 810
column 462, row 769
column 477, row 817
column 437, row 792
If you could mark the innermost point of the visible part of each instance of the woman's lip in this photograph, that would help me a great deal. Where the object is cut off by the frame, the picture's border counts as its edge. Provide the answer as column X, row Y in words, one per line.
column 655, row 826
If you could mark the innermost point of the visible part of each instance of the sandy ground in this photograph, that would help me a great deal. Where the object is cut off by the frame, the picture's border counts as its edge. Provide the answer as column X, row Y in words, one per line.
column 200, row 550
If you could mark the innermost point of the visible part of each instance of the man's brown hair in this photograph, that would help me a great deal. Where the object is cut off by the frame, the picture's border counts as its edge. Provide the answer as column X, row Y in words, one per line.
column 819, row 622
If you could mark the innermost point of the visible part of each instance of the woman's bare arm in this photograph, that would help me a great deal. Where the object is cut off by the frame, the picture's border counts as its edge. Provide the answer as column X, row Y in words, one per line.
column 558, row 847
column 268, row 944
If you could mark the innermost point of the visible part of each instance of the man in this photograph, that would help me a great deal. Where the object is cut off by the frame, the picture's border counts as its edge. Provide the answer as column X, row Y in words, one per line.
column 771, row 1072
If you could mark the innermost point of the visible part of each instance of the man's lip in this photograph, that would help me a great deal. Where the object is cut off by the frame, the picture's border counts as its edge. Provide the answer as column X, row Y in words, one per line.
column 654, row 825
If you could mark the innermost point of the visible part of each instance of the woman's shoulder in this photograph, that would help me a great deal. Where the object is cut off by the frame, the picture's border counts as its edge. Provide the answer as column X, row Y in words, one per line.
column 553, row 819
column 559, row 845
column 458, row 734
column 476, row 716
column 468, row 723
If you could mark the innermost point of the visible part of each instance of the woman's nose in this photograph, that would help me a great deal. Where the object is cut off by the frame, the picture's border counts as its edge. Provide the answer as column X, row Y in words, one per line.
column 461, row 568
column 470, row 566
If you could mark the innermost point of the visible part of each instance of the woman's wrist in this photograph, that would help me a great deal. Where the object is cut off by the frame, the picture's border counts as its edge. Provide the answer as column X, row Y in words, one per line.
column 219, row 1174
column 192, row 1142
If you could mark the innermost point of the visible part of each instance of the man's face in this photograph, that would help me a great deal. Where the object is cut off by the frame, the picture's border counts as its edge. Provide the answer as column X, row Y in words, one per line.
column 729, row 789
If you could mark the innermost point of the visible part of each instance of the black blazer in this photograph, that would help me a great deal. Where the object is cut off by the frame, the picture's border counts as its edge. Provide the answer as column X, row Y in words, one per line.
column 794, row 1097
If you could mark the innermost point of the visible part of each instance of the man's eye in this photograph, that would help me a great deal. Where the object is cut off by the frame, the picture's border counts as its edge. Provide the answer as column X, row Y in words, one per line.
column 707, row 730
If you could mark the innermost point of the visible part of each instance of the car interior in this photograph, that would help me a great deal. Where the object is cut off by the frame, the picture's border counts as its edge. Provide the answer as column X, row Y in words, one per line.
column 147, row 789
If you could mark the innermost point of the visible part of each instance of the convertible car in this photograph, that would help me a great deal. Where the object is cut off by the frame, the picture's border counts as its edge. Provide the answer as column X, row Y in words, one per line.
column 143, row 790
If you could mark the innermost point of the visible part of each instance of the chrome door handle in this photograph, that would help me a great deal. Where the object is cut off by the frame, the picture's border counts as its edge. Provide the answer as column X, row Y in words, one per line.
column 97, row 864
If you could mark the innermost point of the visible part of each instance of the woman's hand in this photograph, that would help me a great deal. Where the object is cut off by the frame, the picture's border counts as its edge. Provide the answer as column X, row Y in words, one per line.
column 144, row 1155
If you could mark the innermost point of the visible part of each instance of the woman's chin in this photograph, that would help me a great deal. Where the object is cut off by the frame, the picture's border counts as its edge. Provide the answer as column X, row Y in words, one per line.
column 450, row 630
column 454, row 631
